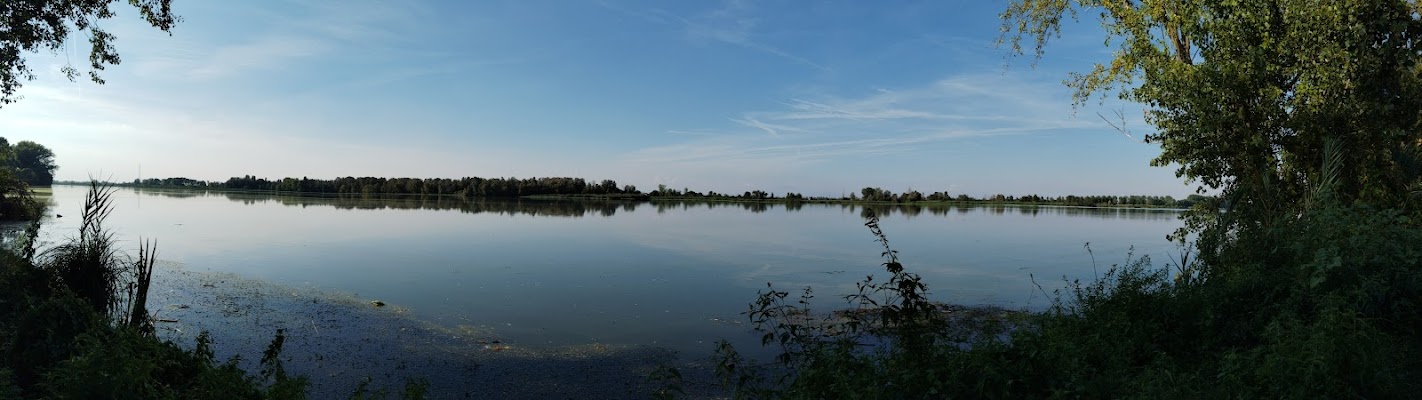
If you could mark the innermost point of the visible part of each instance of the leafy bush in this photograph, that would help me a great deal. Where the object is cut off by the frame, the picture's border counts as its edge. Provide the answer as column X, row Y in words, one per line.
column 16, row 202
column 1321, row 304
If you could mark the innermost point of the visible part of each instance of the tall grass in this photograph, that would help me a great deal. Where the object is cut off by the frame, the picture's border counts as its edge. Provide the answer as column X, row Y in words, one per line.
column 136, row 295
column 77, row 326
column 95, row 270
column 91, row 265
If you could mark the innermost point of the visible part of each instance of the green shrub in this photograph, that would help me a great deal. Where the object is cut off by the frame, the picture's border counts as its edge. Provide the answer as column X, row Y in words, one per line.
column 1322, row 304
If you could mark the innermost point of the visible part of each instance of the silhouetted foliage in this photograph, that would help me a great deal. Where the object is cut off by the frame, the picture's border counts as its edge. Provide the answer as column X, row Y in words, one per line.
column 33, row 162
column 33, row 25
column 468, row 187
column 79, row 327
column 578, row 187
column 1305, row 280
column 21, row 166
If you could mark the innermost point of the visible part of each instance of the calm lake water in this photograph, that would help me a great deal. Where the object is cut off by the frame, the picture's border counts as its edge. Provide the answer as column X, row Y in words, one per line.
column 556, row 273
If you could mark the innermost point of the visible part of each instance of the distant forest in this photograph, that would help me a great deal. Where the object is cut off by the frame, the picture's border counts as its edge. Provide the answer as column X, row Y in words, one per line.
column 609, row 206
column 472, row 187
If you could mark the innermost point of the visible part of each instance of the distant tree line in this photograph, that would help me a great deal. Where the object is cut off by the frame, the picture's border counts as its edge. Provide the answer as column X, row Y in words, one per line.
column 468, row 187
column 579, row 187
column 170, row 182
column 881, row 195
column 611, row 206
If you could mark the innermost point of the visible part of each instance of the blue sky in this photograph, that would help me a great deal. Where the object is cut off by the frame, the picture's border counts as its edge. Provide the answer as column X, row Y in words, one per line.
column 813, row 97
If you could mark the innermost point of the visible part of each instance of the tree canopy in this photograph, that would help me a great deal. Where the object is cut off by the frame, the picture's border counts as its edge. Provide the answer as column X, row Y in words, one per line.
column 28, row 26
column 22, row 165
column 33, row 162
column 1273, row 103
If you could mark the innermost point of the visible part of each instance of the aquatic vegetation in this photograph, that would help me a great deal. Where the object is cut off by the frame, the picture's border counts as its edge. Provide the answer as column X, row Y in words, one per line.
column 81, row 328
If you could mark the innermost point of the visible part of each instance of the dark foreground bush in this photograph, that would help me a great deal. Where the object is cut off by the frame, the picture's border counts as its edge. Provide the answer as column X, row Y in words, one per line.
column 59, row 347
column 1318, row 305
column 76, row 327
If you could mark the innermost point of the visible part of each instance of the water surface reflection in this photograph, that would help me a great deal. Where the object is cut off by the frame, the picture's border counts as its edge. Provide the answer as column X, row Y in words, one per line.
column 543, row 272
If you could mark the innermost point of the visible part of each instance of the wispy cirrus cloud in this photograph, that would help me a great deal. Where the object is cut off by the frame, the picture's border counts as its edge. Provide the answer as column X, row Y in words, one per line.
column 713, row 152
column 772, row 129
column 275, row 41
column 821, row 128
column 733, row 22
column 262, row 54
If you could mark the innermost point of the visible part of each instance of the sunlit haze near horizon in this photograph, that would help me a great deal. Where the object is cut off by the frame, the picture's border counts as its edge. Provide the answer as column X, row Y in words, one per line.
column 821, row 98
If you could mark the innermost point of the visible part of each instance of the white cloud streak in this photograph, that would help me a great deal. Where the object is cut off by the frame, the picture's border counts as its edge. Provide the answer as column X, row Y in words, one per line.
column 313, row 31
column 817, row 129
column 267, row 53
column 732, row 23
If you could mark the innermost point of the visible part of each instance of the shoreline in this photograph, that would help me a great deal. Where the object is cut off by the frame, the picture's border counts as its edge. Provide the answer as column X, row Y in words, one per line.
column 339, row 341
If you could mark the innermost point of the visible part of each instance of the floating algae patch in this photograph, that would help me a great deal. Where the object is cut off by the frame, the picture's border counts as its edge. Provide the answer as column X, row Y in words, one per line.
column 338, row 341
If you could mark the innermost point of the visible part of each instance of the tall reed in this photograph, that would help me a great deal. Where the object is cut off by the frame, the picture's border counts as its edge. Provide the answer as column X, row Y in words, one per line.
column 93, row 268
